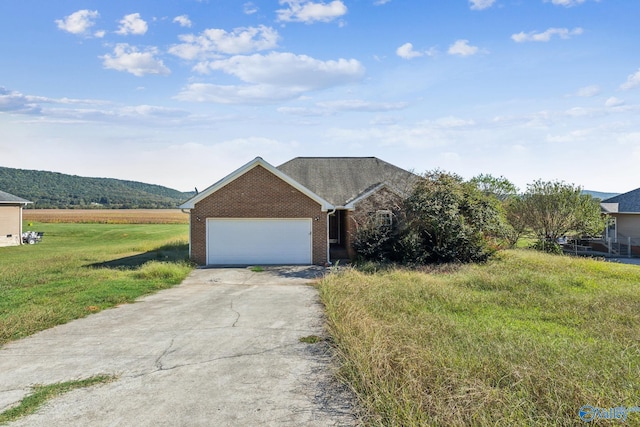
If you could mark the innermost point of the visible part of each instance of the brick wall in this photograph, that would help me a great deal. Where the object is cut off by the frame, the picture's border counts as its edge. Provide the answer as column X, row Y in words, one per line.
column 257, row 194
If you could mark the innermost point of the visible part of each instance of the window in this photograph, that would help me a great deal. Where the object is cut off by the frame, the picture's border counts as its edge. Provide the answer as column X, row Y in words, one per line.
column 384, row 218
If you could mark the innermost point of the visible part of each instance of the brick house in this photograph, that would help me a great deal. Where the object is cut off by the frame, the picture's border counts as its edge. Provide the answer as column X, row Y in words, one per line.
column 304, row 211
column 11, row 219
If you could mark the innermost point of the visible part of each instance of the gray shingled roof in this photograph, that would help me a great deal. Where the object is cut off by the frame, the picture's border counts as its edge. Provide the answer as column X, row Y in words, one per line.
column 7, row 198
column 340, row 180
column 627, row 202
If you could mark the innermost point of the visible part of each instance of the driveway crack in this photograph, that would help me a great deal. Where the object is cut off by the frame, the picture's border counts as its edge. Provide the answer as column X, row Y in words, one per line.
column 166, row 351
column 237, row 314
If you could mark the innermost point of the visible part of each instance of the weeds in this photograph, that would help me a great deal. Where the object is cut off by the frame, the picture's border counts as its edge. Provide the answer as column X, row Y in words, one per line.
column 526, row 339
column 42, row 393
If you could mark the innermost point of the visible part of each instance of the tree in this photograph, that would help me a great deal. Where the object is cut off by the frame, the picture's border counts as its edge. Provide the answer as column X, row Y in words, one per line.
column 499, row 187
column 450, row 220
column 554, row 209
column 443, row 219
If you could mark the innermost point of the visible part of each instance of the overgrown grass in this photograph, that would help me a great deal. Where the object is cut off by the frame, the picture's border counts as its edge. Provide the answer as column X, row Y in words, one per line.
column 526, row 339
column 42, row 393
column 83, row 268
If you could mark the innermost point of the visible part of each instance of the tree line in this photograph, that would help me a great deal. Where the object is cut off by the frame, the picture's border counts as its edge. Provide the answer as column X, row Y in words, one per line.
column 56, row 190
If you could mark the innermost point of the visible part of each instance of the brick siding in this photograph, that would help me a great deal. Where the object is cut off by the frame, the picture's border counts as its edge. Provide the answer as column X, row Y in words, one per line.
column 258, row 193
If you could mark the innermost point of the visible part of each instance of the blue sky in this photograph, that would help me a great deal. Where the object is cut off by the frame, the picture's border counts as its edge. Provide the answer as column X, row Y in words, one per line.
column 180, row 93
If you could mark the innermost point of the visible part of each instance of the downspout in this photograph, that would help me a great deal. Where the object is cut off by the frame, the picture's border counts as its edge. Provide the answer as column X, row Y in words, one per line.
column 329, row 213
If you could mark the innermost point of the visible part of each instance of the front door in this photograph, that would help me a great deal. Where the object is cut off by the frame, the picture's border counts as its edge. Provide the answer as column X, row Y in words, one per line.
column 335, row 227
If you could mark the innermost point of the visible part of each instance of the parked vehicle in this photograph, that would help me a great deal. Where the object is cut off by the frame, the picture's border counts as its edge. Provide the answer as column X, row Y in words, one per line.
column 32, row 237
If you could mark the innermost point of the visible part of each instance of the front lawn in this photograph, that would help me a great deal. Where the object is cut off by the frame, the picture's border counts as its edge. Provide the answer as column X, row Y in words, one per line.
column 526, row 339
column 79, row 269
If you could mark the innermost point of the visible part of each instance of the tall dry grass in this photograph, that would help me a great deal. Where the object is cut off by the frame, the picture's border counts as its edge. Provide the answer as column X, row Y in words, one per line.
column 526, row 339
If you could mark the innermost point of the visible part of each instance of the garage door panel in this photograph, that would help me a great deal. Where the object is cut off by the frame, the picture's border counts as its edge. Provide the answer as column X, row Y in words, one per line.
column 258, row 241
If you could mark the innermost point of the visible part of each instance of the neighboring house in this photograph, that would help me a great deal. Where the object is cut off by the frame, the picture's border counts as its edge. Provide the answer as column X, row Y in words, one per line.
column 624, row 211
column 297, row 213
column 11, row 219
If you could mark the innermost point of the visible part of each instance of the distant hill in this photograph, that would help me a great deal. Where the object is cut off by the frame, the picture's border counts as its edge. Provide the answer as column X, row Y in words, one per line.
column 599, row 195
column 57, row 190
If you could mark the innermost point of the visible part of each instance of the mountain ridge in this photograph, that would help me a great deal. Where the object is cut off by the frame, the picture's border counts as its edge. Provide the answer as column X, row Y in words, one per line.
column 63, row 191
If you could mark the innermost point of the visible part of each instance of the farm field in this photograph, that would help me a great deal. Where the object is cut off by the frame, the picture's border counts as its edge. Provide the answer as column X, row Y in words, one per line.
column 526, row 339
column 79, row 269
column 107, row 216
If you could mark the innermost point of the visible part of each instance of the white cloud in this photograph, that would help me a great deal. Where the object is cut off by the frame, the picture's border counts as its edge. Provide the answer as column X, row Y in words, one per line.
column 613, row 102
column 250, row 8
column 276, row 76
column 406, row 51
column 309, row 11
column 361, row 105
column 15, row 102
column 183, row 20
column 632, row 81
column 216, row 41
column 563, row 33
column 132, row 24
column 100, row 34
column 462, row 48
column 130, row 59
column 565, row 3
column 588, row 91
column 287, row 69
column 481, row 4
column 78, row 22
column 380, row 2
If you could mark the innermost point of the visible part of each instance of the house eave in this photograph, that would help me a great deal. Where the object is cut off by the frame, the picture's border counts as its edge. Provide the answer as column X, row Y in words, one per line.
column 258, row 161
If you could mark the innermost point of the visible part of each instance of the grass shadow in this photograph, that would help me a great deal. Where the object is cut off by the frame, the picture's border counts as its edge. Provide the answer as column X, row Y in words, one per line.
column 172, row 252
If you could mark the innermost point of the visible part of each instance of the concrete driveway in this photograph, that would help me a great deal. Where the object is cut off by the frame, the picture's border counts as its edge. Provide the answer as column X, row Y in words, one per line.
column 221, row 349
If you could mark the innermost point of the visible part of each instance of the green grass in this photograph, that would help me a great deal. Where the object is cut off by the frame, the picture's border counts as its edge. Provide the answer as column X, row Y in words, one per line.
column 79, row 269
column 526, row 339
column 42, row 393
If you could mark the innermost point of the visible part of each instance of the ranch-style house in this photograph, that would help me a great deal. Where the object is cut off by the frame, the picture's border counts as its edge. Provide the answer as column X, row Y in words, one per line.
column 304, row 211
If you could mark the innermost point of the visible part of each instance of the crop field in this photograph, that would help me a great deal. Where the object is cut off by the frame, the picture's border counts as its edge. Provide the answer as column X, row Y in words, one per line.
column 106, row 216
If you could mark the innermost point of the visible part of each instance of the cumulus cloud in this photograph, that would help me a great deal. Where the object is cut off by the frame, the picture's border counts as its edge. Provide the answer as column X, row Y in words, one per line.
column 361, row 105
column 563, row 33
column 632, row 81
column 249, row 8
column 217, row 41
column 565, row 3
column 588, row 91
column 481, row 4
column 183, row 20
column 132, row 24
column 462, row 48
column 276, row 76
column 613, row 102
column 380, row 2
column 130, row 59
column 78, row 22
column 406, row 51
column 309, row 11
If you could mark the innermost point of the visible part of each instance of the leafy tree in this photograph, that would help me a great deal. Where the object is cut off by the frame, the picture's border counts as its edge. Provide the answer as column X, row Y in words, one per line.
column 444, row 219
column 499, row 187
column 554, row 209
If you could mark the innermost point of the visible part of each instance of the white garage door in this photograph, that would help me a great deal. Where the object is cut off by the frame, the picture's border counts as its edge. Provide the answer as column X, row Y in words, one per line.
column 258, row 241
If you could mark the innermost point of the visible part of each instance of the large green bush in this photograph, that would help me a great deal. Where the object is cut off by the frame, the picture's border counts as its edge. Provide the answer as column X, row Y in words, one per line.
column 443, row 219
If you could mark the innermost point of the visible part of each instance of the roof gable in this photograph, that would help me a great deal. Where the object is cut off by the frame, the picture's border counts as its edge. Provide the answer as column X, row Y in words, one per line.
column 345, row 180
column 258, row 161
column 6, row 198
column 627, row 202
